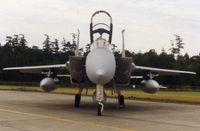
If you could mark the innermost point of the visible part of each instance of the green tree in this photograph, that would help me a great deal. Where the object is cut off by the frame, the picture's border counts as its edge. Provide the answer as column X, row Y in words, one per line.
column 173, row 49
column 9, row 41
column 177, row 45
column 47, row 44
column 15, row 41
column 55, row 46
column 22, row 41
column 35, row 47
column 64, row 45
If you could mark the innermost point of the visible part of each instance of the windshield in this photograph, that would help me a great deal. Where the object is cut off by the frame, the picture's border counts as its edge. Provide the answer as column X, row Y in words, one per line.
column 101, row 43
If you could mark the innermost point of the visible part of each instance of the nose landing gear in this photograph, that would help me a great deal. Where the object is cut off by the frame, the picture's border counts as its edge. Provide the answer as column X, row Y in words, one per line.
column 100, row 108
column 99, row 99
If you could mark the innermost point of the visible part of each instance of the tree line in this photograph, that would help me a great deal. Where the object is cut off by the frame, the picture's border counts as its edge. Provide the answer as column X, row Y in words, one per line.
column 16, row 52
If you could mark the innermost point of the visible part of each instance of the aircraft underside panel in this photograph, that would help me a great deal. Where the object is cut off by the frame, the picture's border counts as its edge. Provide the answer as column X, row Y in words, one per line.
column 77, row 69
column 123, row 71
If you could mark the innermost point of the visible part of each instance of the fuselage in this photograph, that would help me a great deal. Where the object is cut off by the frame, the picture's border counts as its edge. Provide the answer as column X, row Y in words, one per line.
column 100, row 62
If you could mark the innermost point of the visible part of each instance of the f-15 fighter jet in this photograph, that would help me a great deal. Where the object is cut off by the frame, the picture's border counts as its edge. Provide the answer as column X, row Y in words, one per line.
column 100, row 67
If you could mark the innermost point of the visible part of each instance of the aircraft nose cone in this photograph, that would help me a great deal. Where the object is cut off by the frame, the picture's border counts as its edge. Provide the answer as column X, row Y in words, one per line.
column 100, row 76
column 100, row 66
column 100, row 73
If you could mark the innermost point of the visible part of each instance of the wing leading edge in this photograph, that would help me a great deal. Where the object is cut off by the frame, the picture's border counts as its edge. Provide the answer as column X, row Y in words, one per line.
column 161, row 71
column 36, row 69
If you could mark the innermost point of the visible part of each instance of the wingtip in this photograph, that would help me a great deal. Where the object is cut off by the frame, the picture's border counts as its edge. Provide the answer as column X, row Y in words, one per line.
column 6, row 69
column 192, row 73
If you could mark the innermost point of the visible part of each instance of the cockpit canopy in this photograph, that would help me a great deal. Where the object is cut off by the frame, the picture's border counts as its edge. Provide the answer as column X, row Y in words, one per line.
column 101, row 28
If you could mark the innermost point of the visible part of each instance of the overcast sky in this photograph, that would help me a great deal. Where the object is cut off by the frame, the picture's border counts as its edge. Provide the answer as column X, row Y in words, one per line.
column 149, row 24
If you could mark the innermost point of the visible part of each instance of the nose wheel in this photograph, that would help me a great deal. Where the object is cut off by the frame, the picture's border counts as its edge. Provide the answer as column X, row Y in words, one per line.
column 100, row 107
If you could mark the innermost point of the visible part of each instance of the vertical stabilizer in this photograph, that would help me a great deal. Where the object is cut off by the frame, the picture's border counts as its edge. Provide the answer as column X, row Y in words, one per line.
column 77, row 43
column 123, row 46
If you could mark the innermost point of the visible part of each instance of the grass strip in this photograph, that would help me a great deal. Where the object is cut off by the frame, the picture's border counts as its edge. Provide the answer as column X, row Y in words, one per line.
column 191, row 97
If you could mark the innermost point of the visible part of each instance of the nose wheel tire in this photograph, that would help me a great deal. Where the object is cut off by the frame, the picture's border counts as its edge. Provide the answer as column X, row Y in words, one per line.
column 77, row 100
column 121, row 102
column 100, row 107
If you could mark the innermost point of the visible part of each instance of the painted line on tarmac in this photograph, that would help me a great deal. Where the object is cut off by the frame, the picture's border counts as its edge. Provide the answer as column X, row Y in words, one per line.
column 64, row 119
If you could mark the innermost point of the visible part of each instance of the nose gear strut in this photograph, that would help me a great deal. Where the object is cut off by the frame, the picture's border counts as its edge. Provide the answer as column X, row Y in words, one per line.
column 99, row 98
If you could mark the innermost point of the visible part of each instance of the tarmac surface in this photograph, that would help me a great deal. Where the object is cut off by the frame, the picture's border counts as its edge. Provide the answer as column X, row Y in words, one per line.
column 33, row 111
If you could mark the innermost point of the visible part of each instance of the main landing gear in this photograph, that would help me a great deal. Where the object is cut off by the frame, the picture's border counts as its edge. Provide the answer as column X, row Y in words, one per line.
column 120, row 98
column 78, row 98
column 121, row 102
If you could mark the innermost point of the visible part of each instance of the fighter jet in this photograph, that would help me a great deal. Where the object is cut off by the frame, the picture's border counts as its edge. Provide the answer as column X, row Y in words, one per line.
column 100, row 67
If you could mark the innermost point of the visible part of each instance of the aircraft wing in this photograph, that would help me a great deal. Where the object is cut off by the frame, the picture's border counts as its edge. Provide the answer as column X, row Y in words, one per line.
column 162, row 71
column 37, row 69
